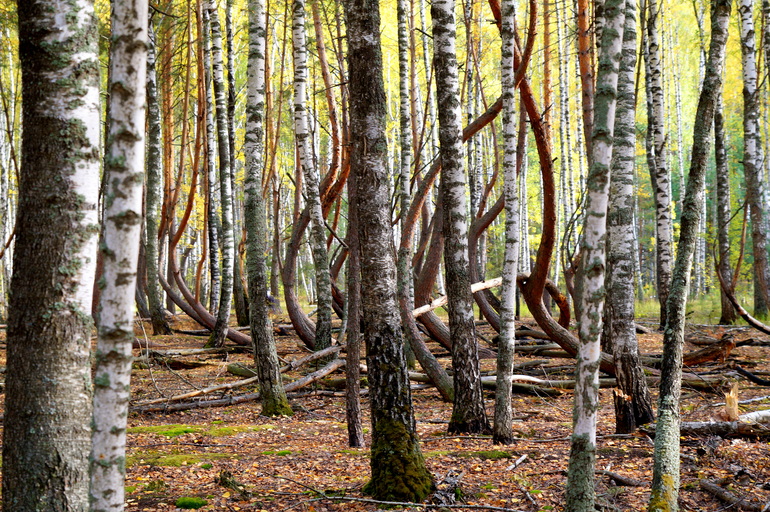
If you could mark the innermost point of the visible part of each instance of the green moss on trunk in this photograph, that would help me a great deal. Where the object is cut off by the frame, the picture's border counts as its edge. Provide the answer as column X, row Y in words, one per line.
column 398, row 467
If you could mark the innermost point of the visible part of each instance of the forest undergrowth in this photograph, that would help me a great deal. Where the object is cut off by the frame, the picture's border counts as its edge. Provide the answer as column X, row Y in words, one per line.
column 231, row 458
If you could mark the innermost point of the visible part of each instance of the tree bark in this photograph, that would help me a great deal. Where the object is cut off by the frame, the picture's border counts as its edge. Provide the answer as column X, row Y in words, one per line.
column 728, row 315
column 590, row 278
column 48, row 386
column 657, row 158
column 502, row 432
column 153, row 194
column 274, row 401
column 311, row 179
column 468, row 413
column 398, row 467
column 120, row 247
column 219, row 332
column 633, row 405
column 665, row 483
column 752, row 157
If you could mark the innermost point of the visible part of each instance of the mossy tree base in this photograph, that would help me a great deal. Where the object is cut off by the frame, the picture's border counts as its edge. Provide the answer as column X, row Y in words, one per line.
column 398, row 466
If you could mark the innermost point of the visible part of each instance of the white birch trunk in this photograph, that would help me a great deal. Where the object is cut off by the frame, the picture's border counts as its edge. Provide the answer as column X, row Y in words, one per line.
column 752, row 149
column 468, row 413
column 591, row 273
column 503, row 423
column 124, row 169
column 312, row 180
column 227, row 232
column 47, row 434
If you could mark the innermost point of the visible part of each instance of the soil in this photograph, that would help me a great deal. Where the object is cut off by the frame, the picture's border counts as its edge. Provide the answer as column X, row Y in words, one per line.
column 234, row 459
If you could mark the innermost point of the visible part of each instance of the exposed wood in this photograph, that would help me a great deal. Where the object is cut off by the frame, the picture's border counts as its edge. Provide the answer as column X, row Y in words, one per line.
column 437, row 303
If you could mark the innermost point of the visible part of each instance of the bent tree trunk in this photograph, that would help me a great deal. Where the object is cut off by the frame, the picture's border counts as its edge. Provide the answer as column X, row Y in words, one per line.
column 665, row 479
column 398, row 466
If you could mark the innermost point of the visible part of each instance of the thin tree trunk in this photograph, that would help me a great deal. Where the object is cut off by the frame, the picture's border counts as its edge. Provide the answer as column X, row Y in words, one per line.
column 752, row 149
column 665, row 480
column 658, row 161
column 503, row 423
column 219, row 331
column 310, row 174
column 353, row 328
column 153, row 195
column 274, row 401
column 724, row 210
column 468, row 413
column 633, row 404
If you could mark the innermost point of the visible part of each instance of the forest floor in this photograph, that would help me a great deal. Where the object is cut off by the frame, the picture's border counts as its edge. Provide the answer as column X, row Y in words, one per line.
column 234, row 459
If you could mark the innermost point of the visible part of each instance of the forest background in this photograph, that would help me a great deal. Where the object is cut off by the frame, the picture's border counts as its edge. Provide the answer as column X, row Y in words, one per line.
column 195, row 206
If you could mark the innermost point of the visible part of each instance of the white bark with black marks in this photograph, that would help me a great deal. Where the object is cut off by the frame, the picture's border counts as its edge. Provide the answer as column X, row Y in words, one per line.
column 124, row 172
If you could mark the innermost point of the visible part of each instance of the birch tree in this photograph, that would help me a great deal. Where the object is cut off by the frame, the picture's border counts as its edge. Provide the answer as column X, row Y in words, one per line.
column 398, row 466
column 154, row 194
column 503, row 424
column 723, row 211
column 657, row 157
column 752, row 148
column 274, row 401
column 227, row 232
column 468, row 413
column 120, row 246
column 665, row 479
column 48, row 385
column 311, row 179
column 633, row 404
column 590, row 279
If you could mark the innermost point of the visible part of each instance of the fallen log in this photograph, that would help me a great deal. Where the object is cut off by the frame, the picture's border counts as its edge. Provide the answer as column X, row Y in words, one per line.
column 437, row 303
column 162, row 405
column 731, row 429
column 731, row 499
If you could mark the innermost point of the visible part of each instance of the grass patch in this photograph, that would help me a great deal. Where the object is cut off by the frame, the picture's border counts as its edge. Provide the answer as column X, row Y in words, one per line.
column 165, row 430
column 187, row 502
column 175, row 459
column 279, row 453
column 436, row 453
column 354, row 452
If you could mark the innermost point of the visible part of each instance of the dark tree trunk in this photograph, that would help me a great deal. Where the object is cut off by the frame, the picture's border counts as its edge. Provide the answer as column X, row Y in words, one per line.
column 398, row 467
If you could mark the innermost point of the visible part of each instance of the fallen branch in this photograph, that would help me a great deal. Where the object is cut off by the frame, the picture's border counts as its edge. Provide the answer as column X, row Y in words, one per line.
column 620, row 479
column 155, row 406
column 437, row 303
column 718, row 428
column 731, row 499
